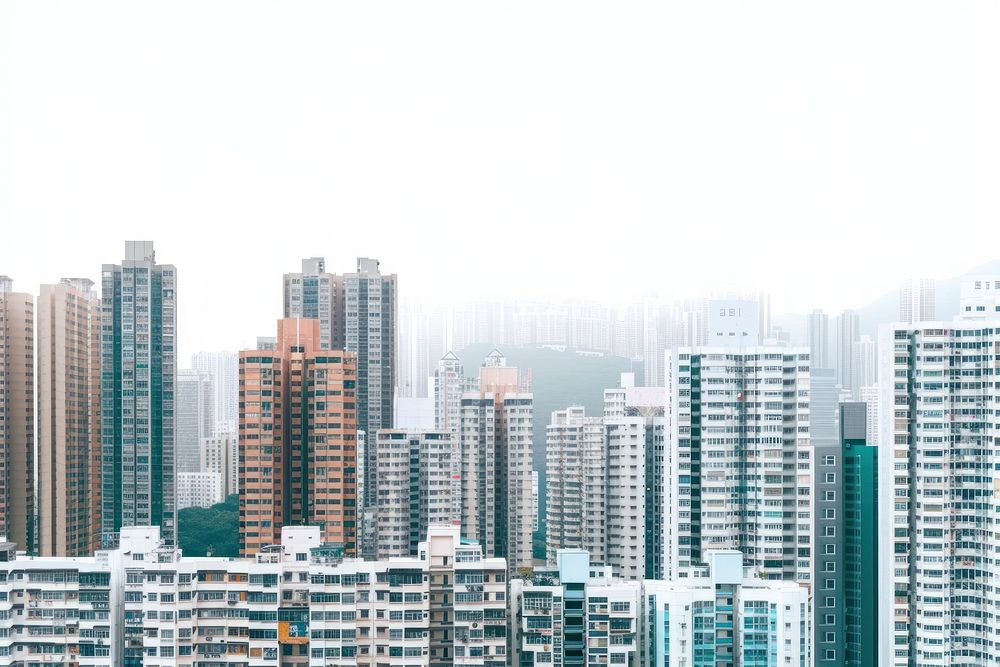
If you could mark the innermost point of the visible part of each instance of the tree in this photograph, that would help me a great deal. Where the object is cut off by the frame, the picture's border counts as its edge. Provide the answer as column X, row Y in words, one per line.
column 215, row 529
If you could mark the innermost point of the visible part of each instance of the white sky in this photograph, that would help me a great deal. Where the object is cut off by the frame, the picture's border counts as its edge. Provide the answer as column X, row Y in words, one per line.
column 822, row 151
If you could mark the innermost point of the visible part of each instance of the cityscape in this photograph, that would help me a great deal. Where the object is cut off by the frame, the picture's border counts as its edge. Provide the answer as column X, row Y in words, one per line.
column 738, row 491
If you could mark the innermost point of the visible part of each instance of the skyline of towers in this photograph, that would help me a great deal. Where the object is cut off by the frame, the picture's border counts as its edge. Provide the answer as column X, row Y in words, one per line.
column 223, row 369
column 138, row 372
column 17, row 415
column 194, row 406
column 298, row 439
column 69, row 425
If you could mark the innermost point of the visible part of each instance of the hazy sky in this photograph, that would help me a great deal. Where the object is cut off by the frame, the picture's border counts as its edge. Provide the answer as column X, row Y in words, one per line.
column 822, row 151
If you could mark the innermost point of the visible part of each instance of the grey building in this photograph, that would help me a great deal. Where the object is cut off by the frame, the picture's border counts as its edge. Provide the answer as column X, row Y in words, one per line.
column 848, row 334
column 194, row 406
column 138, row 374
column 819, row 340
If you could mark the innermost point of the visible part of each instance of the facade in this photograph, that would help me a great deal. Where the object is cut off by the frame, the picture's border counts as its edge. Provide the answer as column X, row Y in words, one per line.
column 138, row 373
column 917, row 300
column 223, row 369
column 195, row 400
column 635, row 529
column 69, row 426
column 496, row 427
column 858, row 580
column 298, row 433
column 370, row 306
column 575, row 613
column 740, row 460
column 220, row 454
column 318, row 295
column 574, row 468
column 450, row 384
column 199, row 489
column 980, row 297
column 17, row 415
column 734, row 323
column 938, row 488
column 723, row 615
column 865, row 366
column 414, row 472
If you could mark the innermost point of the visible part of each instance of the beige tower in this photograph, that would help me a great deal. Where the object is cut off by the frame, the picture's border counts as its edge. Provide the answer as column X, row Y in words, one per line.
column 17, row 415
column 69, row 413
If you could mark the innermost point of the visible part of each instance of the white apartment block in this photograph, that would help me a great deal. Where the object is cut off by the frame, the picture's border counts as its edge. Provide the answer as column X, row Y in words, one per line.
column 55, row 611
column 871, row 396
column 198, row 489
column 221, row 454
column 295, row 603
column 414, row 488
column 575, row 483
column 741, row 460
column 980, row 298
column 939, row 493
column 725, row 615
column 635, row 495
column 575, row 613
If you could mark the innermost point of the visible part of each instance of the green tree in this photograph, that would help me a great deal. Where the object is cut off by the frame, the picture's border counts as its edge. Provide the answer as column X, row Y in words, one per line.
column 215, row 529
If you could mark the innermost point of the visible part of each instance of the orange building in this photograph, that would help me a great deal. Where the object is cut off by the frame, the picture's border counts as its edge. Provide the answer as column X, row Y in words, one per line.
column 297, row 439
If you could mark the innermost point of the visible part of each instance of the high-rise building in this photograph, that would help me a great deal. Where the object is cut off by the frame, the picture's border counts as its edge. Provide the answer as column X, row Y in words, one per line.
column 221, row 454
column 298, row 434
column 871, row 396
column 223, row 368
column 496, row 432
column 370, row 305
column 938, row 483
column 741, row 460
column 917, row 300
column 819, row 339
column 858, row 579
column 193, row 405
column 848, row 335
column 17, row 415
column 636, row 492
column 450, row 384
column 414, row 472
column 318, row 295
column 69, row 424
column 138, row 375
column 575, row 460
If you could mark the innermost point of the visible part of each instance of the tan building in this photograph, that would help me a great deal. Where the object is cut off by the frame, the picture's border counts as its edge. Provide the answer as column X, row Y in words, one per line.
column 17, row 415
column 69, row 414
column 298, row 439
column 221, row 454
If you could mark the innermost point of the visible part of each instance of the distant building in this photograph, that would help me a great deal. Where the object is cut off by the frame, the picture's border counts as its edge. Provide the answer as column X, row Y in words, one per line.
column 69, row 419
column 734, row 323
column 917, row 301
column 194, row 406
column 220, row 454
column 17, row 415
column 980, row 297
column 848, row 335
column 138, row 388
column 223, row 368
column 414, row 414
column 819, row 340
column 199, row 489
column 315, row 294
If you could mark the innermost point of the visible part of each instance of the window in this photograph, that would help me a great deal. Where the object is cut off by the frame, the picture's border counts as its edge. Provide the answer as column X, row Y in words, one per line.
column 829, row 531
column 830, row 549
column 830, row 478
column 830, row 496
